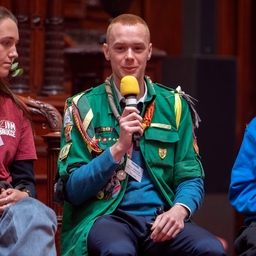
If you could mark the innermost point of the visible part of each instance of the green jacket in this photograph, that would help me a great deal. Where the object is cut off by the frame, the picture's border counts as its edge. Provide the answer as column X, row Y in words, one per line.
column 169, row 156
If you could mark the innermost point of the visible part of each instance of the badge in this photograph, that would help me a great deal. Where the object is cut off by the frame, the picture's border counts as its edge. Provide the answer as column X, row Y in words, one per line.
column 100, row 195
column 64, row 151
column 162, row 152
column 68, row 117
column 133, row 170
column 68, row 130
column 121, row 175
column 116, row 188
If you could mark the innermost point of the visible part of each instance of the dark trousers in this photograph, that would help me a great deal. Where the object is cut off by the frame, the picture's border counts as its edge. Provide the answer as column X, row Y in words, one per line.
column 245, row 244
column 122, row 234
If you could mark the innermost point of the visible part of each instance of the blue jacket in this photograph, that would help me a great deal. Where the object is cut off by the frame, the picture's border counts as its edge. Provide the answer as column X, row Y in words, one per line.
column 242, row 188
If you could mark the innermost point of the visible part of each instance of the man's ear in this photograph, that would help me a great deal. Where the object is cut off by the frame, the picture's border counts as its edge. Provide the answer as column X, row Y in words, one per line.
column 105, row 51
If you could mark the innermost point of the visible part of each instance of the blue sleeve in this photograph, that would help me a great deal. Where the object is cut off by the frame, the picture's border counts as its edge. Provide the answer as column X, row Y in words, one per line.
column 242, row 189
column 190, row 194
column 86, row 181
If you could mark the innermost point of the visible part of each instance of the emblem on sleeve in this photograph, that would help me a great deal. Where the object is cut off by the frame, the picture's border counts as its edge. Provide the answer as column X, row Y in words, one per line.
column 68, row 117
column 68, row 130
column 64, row 151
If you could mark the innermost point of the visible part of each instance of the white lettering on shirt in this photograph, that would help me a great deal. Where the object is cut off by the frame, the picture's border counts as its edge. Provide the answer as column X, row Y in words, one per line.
column 7, row 128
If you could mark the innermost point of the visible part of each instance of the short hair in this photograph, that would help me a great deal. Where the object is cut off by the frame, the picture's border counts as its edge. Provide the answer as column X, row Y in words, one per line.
column 6, row 14
column 129, row 20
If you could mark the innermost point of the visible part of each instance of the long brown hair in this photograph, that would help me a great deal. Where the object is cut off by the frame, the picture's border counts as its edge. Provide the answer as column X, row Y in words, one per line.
column 4, row 83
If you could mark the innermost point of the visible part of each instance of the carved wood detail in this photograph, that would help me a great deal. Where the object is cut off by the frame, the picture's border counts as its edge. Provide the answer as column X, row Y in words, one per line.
column 51, row 114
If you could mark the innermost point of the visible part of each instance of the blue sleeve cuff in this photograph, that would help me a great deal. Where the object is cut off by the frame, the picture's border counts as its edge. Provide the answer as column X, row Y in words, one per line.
column 190, row 194
column 190, row 213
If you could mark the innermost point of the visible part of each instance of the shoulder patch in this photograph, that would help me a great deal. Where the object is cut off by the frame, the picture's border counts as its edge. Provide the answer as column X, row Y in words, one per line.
column 64, row 151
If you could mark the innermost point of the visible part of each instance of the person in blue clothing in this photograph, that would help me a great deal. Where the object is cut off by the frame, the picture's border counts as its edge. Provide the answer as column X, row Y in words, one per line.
column 242, row 191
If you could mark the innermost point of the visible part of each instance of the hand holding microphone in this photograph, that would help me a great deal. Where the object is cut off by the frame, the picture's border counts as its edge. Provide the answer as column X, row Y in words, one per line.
column 129, row 89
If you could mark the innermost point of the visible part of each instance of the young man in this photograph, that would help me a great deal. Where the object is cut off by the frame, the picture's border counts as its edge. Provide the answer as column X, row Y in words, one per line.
column 112, row 185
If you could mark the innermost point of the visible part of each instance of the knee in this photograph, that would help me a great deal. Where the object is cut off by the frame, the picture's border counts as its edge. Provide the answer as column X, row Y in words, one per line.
column 212, row 247
column 114, row 249
column 103, row 244
column 32, row 208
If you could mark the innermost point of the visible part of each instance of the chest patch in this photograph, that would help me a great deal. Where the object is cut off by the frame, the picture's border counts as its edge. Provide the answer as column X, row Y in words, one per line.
column 7, row 128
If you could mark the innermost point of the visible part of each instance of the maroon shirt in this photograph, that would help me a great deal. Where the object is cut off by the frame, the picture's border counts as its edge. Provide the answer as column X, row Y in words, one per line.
column 16, row 137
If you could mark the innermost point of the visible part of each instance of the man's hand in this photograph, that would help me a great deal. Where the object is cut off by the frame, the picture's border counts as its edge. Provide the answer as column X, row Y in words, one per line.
column 168, row 224
column 130, row 122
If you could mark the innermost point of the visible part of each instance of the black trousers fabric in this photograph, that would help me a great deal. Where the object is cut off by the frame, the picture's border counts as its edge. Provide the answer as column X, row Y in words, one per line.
column 245, row 244
column 123, row 234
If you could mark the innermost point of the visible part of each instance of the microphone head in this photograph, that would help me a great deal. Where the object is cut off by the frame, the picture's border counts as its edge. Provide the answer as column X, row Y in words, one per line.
column 129, row 86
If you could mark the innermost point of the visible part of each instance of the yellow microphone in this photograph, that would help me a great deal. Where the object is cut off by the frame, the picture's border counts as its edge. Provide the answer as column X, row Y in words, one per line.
column 129, row 89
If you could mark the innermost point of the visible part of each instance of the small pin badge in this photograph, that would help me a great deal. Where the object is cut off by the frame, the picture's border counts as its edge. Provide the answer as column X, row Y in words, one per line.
column 162, row 152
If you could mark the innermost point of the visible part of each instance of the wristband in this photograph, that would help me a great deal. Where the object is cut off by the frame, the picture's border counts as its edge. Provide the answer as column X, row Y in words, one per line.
column 28, row 192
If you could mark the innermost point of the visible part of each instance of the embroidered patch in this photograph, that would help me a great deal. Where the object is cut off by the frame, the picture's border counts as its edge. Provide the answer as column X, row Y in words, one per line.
column 68, row 130
column 162, row 152
column 64, row 151
column 163, row 126
column 68, row 117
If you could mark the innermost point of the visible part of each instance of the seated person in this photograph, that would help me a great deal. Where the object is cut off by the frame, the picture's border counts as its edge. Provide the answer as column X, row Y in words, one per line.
column 126, row 194
column 27, row 226
column 242, row 191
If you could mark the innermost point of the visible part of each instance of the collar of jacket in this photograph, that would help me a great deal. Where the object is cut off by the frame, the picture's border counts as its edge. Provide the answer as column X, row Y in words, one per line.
column 150, row 96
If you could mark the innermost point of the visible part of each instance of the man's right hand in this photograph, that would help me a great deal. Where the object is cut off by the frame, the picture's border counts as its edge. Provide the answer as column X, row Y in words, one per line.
column 130, row 123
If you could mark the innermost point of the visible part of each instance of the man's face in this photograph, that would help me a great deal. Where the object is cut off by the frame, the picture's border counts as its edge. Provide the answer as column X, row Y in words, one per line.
column 128, row 50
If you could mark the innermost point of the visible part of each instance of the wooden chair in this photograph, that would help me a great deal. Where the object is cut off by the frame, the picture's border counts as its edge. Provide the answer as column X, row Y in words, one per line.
column 53, row 120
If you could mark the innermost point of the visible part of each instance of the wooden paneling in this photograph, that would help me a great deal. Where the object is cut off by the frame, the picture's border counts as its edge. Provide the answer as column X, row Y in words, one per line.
column 38, row 10
column 227, row 27
column 164, row 19
column 75, row 9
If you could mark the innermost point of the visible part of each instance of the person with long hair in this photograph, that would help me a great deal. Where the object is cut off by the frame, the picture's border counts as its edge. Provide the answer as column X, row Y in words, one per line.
column 27, row 226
